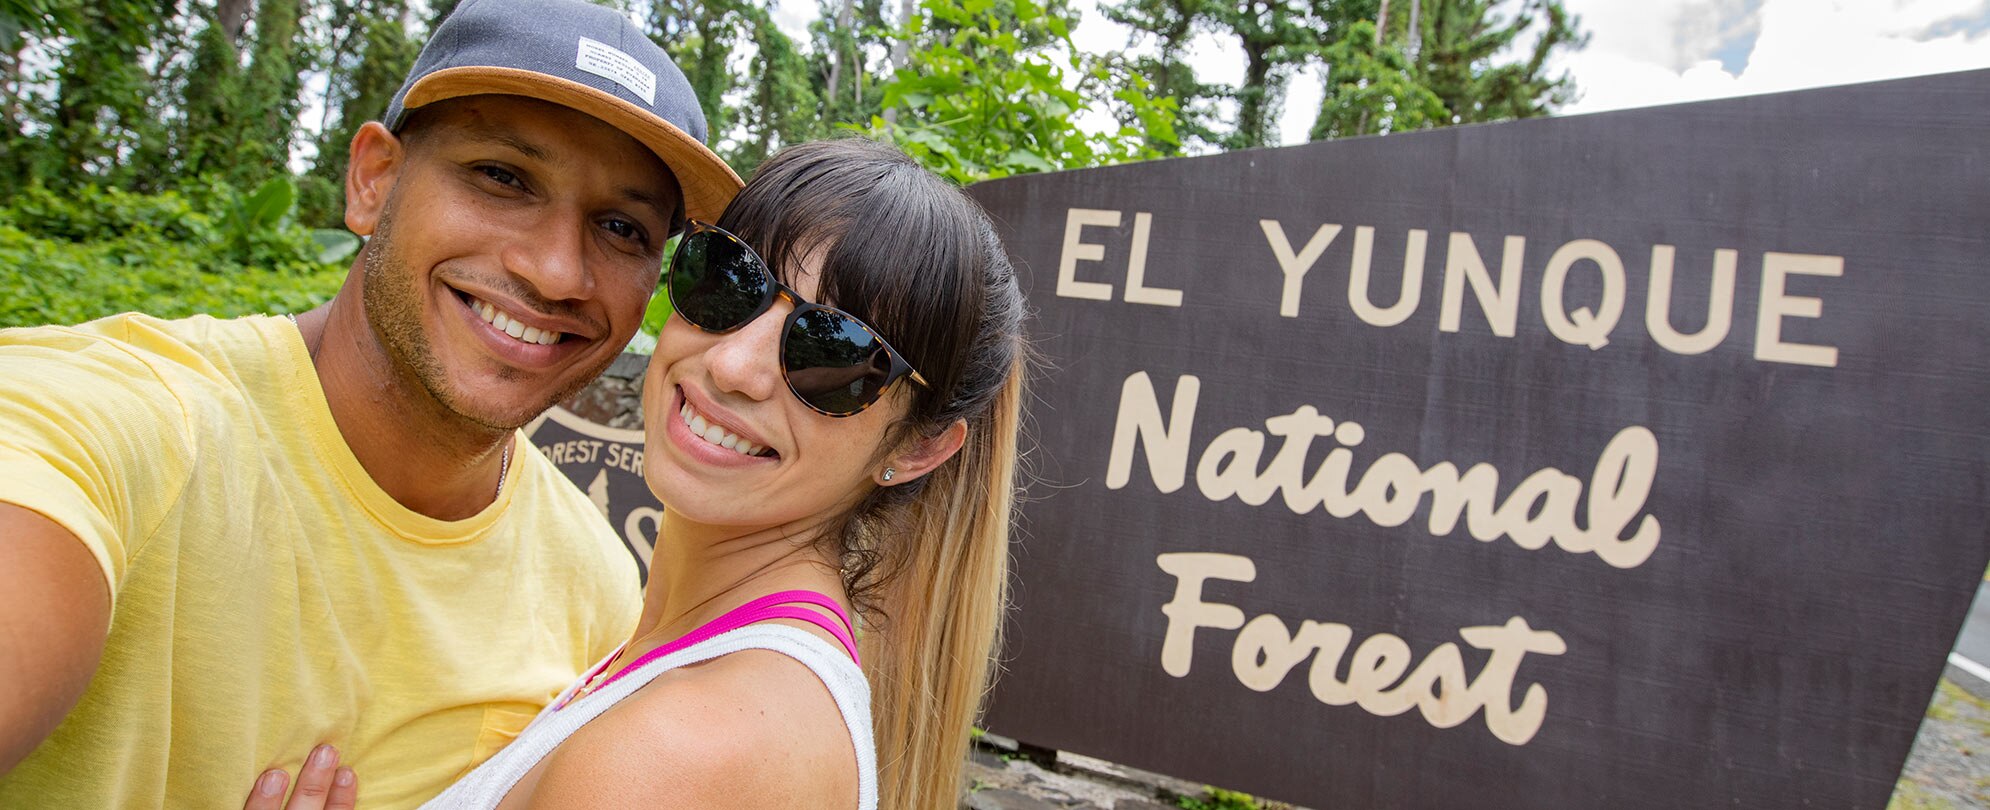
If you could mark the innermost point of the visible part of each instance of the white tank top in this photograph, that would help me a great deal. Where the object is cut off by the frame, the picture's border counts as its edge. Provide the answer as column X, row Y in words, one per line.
column 484, row 787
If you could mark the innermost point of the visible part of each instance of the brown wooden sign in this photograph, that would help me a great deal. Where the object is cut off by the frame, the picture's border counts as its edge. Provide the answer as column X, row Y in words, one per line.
column 1635, row 460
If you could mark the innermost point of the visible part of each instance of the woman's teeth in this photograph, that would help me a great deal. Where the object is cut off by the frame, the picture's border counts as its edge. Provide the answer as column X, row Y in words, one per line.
column 719, row 435
column 504, row 323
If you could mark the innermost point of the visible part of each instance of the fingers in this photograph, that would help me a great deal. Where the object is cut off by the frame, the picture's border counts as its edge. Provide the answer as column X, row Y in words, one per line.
column 321, row 785
column 267, row 794
column 345, row 791
column 314, row 780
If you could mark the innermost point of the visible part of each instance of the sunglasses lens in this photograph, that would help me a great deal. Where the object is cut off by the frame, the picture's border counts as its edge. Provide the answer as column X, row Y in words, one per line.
column 715, row 283
column 834, row 363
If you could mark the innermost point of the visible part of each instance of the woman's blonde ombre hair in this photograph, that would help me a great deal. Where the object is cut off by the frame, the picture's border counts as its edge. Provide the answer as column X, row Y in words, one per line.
column 926, row 562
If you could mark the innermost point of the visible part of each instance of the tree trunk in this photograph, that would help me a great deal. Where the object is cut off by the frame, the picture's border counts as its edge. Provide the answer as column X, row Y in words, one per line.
column 1381, row 23
column 1254, row 109
column 10, row 85
column 844, row 16
column 901, row 47
column 1416, row 32
column 233, row 16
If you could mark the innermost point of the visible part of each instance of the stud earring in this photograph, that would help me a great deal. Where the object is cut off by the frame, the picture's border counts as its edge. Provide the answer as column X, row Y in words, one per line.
column 888, row 473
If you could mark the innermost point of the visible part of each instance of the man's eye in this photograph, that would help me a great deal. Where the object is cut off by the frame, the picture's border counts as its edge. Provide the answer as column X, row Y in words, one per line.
column 623, row 228
column 499, row 174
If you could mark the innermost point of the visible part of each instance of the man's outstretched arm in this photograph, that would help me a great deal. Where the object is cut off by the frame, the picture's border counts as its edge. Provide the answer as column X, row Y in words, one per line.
column 54, row 614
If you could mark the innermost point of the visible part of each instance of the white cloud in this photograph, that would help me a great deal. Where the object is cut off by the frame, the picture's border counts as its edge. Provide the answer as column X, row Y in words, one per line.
column 1797, row 44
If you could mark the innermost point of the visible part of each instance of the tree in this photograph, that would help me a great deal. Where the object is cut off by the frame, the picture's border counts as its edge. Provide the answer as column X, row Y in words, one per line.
column 851, row 45
column 1434, row 66
column 985, row 96
column 1371, row 88
column 103, row 113
column 1460, row 40
column 1276, row 36
column 782, row 107
column 369, row 53
column 701, row 36
column 1172, row 24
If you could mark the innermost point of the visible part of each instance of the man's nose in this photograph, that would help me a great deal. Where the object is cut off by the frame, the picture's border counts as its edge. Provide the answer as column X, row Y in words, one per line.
column 553, row 257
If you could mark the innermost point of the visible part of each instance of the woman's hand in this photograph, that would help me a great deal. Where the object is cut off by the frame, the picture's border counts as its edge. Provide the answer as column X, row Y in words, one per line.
column 321, row 785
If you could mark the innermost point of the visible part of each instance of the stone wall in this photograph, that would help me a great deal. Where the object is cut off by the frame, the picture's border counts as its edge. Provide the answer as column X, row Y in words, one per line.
column 616, row 398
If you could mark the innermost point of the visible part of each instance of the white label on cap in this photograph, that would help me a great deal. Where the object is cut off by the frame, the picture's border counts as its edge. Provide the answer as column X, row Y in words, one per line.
column 608, row 62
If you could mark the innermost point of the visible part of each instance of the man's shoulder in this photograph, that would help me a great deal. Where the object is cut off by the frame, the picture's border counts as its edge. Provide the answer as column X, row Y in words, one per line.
column 201, row 343
column 548, row 502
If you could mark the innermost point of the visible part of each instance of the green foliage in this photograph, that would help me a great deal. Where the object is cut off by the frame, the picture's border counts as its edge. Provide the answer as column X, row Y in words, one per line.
column 1276, row 37
column 989, row 100
column 365, row 62
column 701, row 36
column 1462, row 38
column 1435, row 62
column 1172, row 24
column 71, row 257
column 1373, row 90
column 847, row 61
column 1214, row 798
column 41, row 17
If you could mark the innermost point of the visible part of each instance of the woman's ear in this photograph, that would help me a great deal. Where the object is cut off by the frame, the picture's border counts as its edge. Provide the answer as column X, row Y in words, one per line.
column 921, row 456
column 373, row 164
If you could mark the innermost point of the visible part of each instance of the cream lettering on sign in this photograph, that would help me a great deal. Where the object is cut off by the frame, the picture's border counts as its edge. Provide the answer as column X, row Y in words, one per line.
column 1077, row 250
column 1498, row 298
column 1583, row 327
column 1294, row 266
column 572, row 451
column 1357, row 279
column 1777, row 304
column 1140, row 420
column 1501, row 302
column 1187, row 611
column 1546, row 507
column 1720, row 304
column 637, row 534
column 1384, row 678
column 1137, row 291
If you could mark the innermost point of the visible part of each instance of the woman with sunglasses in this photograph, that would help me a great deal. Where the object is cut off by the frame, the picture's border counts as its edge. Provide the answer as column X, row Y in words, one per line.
column 831, row 419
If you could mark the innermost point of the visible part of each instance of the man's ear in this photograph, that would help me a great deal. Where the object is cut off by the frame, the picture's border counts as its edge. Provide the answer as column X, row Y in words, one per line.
column 373, row 165
column 920, row 456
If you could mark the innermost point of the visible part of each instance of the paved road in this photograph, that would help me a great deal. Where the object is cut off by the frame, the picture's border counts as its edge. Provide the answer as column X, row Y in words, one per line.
column 1969, row 665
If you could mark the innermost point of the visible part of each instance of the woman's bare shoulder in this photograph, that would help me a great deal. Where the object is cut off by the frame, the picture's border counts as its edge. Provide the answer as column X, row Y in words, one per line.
column 752, row 729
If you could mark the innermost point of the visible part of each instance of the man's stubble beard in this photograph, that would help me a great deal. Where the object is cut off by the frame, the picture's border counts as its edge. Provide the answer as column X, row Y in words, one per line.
column 394, row 311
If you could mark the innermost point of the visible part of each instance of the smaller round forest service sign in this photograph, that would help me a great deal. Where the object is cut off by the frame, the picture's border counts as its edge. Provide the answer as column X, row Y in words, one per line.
column 607, row 464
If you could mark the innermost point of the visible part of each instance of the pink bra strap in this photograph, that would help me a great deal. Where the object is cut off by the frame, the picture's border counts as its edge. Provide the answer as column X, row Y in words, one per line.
column 812, row 617
column 758, row 610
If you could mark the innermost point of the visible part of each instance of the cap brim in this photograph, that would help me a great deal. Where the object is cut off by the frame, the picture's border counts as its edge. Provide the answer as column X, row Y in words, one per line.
column 708, row 184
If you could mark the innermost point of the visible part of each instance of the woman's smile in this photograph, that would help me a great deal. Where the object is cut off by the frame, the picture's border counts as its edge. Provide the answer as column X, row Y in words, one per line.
column 715, row 433
column 705, row 432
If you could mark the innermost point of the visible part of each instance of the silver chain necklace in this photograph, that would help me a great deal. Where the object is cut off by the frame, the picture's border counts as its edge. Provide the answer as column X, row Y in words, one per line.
column 504, row 470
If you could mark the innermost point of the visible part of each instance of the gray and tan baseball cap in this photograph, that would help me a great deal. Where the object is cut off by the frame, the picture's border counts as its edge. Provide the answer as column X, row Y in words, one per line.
column 580, row 55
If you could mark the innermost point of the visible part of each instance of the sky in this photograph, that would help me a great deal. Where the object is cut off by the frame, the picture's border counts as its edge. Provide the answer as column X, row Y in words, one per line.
column 1648, row 52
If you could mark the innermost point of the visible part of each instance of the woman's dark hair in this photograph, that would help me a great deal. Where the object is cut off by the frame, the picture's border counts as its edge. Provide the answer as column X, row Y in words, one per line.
column 926, row 561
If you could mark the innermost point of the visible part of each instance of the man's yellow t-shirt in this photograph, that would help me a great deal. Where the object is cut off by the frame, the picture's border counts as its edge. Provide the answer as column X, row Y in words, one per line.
column 267, row 594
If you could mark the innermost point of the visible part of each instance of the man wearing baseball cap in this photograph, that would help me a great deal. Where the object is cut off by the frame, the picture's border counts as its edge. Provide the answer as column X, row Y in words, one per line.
column 223, row 541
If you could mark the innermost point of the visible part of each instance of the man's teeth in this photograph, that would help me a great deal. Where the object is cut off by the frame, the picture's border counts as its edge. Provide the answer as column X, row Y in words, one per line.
column 504, row 323
column 718, row 435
